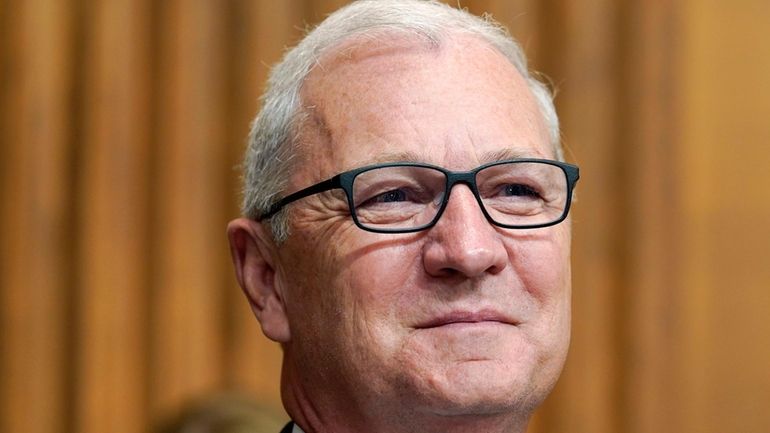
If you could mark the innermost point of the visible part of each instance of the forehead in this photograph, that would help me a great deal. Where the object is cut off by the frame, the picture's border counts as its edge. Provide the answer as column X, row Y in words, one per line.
column 455, row 104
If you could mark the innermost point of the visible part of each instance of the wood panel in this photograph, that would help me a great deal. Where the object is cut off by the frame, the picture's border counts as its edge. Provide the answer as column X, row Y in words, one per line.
column 648, row 133
column 189, row 203
column 724, row 276
column 34, row 245
column 317, row 10
column 113, row 224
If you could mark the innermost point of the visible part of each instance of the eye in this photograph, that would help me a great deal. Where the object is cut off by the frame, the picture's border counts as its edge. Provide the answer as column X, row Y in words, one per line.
column 388, row 197
column 520, row 190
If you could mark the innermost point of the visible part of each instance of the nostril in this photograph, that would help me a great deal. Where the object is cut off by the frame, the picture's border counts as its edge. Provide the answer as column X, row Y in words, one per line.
column 495, row 269
column 447, row 272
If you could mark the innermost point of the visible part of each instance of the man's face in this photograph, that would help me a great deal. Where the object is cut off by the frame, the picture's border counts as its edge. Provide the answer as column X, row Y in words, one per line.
column 462, row 318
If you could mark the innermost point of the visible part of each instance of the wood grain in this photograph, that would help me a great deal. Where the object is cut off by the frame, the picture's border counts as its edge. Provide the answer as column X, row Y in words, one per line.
column 35, row 183
column 113, row 224
column 189, row 207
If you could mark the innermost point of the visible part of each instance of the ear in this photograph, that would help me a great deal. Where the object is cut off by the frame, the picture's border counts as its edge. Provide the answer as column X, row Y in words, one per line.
column 253, row 253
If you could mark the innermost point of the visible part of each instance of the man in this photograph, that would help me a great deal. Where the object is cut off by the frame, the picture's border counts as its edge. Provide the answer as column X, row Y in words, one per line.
column 405, row 237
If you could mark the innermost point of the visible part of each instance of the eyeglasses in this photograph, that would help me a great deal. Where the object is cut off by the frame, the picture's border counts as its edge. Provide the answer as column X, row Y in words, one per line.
column 409, row 197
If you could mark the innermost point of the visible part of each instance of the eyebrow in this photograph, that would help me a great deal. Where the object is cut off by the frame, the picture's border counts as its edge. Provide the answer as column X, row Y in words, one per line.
column 507, row 153
column 487, row 157
column 396, row 157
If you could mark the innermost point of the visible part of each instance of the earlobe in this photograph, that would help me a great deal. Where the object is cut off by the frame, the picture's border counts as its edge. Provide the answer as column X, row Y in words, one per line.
column 253, row 256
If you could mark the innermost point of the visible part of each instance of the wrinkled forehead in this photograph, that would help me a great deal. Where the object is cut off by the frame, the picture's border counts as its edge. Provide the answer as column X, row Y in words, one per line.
column 396, row 49
column 346, row 63
column 380, row 87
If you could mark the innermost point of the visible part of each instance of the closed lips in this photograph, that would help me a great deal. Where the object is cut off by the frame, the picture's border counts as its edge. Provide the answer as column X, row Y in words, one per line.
column 466, row 317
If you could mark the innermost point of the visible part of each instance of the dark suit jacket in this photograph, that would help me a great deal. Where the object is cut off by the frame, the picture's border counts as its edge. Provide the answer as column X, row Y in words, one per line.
column 288, row 427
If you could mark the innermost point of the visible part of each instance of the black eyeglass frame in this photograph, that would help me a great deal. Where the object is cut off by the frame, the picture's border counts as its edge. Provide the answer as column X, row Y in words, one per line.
column 345, row 180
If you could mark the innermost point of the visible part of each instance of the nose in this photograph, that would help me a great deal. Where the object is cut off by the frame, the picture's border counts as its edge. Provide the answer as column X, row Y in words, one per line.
column 463, row 242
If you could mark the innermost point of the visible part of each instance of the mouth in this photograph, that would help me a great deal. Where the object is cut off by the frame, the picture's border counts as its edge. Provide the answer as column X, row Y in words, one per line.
column 456, row 318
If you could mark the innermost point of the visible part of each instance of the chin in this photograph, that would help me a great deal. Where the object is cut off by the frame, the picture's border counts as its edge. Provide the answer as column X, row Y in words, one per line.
column 483, row 388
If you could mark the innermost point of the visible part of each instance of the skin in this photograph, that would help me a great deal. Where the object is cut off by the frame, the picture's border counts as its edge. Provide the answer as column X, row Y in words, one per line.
column 354, row 311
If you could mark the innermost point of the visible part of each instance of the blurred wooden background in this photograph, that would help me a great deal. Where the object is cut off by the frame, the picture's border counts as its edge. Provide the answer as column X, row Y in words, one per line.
column 121, row 125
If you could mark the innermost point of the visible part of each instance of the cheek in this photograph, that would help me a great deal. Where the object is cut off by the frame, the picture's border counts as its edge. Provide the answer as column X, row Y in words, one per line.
column 357, row 283
column 378, row 281
column 543, row 264
column 307, row 274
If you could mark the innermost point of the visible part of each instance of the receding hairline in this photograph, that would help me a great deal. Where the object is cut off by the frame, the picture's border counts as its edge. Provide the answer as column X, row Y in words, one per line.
column 369, row 46
column 384, row 41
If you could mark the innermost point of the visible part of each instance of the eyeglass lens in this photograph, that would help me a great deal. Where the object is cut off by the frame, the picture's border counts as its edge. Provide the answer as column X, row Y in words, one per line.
column 405, row 197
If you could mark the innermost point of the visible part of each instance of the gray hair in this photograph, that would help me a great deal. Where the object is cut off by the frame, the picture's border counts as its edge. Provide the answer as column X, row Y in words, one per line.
column 273, row 133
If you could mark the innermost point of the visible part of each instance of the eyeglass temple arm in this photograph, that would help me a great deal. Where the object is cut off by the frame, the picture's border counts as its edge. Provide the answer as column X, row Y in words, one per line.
column 573, row 174
column 326, row 185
